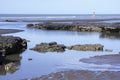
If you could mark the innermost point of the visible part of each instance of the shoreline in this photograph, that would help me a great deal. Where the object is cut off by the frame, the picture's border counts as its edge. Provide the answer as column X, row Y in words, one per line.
column 58, row 20
column 8, row 31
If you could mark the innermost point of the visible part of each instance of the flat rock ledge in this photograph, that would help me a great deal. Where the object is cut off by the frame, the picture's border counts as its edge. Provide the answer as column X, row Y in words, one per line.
column 10, row 44
column 81, row 27
column 86, row 47
column 54, row 47
column 49, row 47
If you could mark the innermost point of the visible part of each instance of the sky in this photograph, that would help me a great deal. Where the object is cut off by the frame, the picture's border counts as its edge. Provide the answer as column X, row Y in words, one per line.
column 59, row 6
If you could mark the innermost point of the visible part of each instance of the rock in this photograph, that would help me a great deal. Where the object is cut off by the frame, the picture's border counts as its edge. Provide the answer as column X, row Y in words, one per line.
column 2, row 56
column 29, row 59
column 11, row 45
column 2, row 59
column 53, row 43
column 30, row 25
column 87, row 47
column 54, row 47
column 49, row 47
column 83, row 27
column 108, row 50
column 3, row 52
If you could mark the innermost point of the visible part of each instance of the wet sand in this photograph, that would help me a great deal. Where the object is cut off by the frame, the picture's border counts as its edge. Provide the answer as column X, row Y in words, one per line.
column 7, row 31
column 105, row 59
column 113, row 59
column 81, row 75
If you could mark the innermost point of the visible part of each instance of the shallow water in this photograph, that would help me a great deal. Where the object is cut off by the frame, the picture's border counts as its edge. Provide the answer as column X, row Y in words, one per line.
column 44, row 63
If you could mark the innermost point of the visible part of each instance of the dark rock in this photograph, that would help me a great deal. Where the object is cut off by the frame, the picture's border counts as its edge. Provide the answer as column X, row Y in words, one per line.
column 11, row 45
column 2, row 52
column 49, row 47
column 30, row 25
column 87, row 47
column 53, row 43
column 54, row 47
column 83, row 27
column 30, row 59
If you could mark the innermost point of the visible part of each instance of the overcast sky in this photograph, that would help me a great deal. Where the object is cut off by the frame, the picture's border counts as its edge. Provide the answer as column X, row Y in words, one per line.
column 59, row 6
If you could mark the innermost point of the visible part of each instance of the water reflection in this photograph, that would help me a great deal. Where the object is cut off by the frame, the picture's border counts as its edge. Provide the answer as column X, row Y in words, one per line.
column 42, row 64
column 10, row 64
column 110, row 35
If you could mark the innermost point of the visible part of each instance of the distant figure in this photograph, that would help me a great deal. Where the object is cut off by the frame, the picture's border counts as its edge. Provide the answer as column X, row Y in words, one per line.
column 94, row 14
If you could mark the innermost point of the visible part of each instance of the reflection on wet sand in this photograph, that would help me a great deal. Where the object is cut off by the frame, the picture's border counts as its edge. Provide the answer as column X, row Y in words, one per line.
column 10, row 64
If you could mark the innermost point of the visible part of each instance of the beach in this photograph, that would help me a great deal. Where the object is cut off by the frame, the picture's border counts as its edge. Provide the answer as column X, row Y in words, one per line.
column 56, row 50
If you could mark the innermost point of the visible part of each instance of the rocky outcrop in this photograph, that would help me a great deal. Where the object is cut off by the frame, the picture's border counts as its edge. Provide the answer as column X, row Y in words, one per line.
column 87, row 47
column 49, row 47
column 70, row 27
column 11, row 45
column 54, row 47
column 83, row 27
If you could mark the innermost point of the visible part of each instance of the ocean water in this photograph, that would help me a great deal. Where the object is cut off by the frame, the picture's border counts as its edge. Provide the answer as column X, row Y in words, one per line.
column 58, row 16
column 45, row 63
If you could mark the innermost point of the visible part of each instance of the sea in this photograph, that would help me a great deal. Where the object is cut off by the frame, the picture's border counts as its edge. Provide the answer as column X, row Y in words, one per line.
column 51, row 62
column 59, row 16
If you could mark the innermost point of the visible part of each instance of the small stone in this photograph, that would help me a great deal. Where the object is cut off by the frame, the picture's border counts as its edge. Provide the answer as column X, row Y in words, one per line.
column 29, row 59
